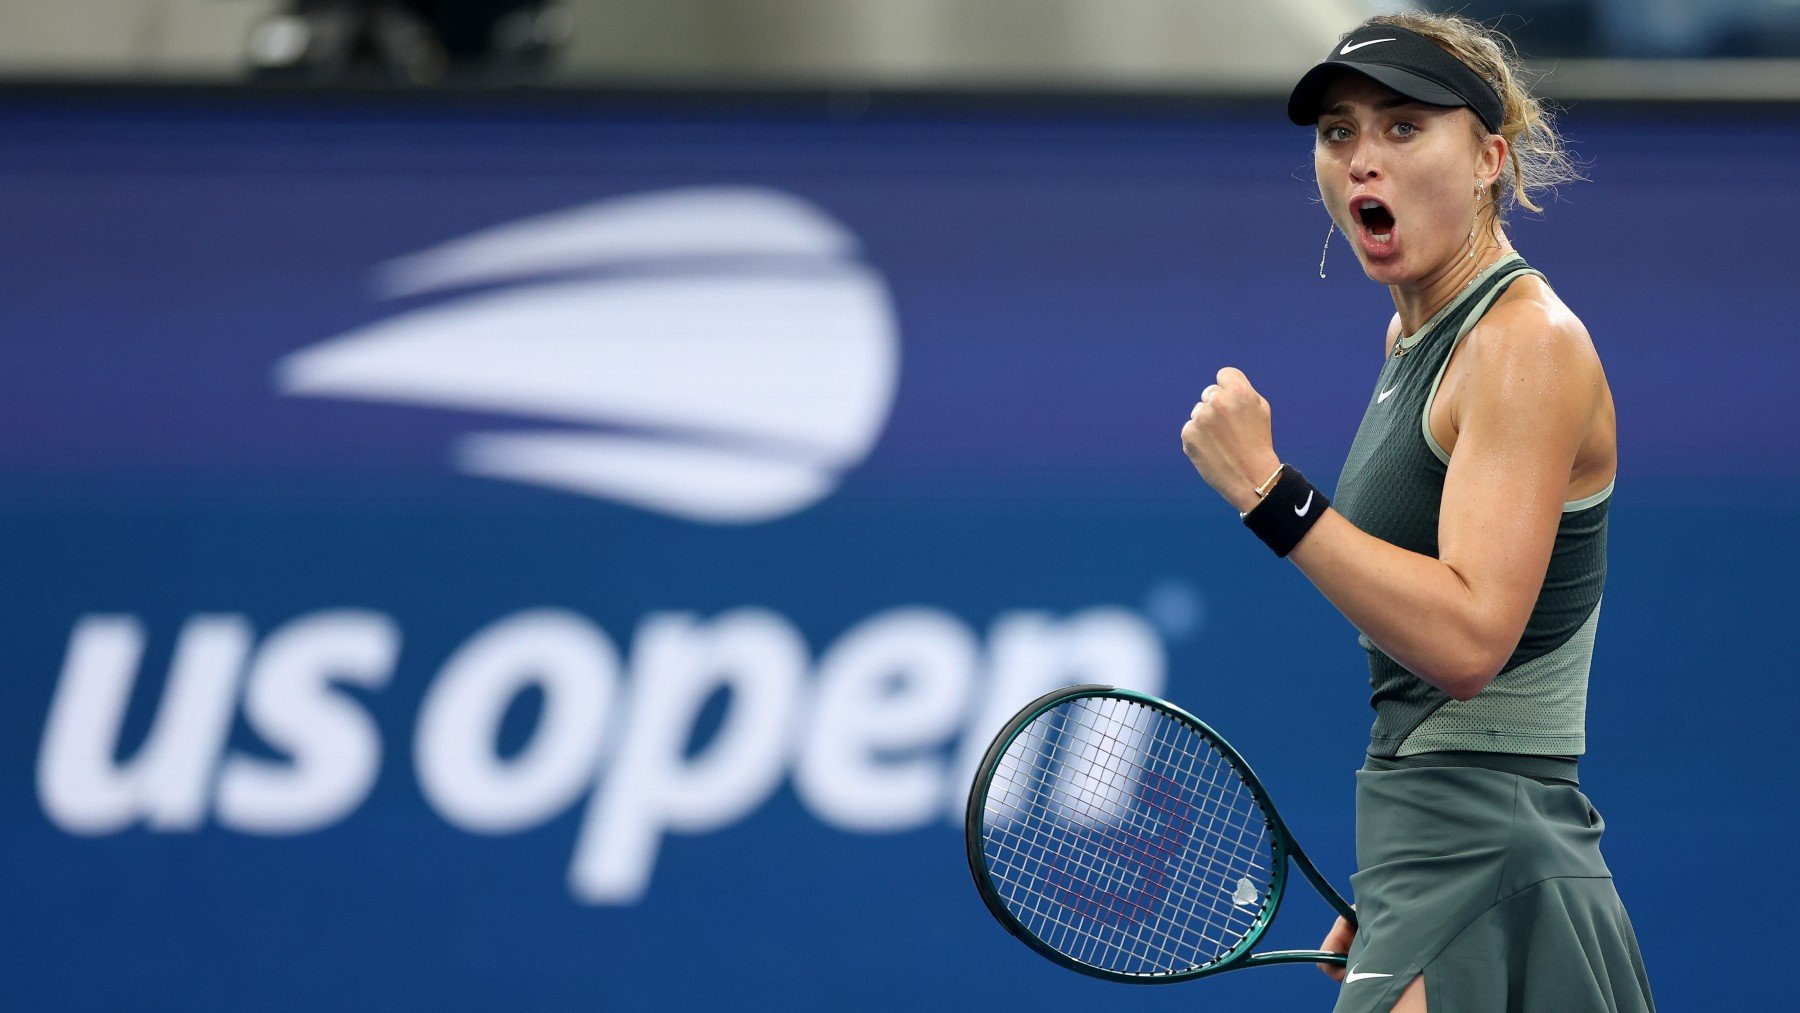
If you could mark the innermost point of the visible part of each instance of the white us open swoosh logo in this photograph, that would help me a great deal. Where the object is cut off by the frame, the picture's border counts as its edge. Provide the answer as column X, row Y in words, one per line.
column 1383, row 396
column 1352, row 47
column 719, row 354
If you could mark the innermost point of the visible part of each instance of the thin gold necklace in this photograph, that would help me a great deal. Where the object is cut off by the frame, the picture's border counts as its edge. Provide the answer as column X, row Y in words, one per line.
column 1401, row 349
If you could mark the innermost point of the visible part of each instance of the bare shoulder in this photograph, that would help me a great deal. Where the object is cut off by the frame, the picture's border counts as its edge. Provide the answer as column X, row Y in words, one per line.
column 1393, row 334
column 1531, row 333
column 1531, row 373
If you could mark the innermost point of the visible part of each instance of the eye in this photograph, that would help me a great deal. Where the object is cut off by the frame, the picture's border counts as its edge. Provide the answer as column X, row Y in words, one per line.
column 1404, row 129
column 1337, row 133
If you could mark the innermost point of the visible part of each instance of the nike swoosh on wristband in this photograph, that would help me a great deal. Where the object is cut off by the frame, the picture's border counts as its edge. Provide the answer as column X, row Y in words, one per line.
column 1354, row 976
column 1350, row 47
column 1383, row 396
column 1300, row 511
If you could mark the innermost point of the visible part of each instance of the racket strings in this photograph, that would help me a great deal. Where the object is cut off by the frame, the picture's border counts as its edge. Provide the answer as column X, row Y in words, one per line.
column 1116, row 913
column 1120, row 837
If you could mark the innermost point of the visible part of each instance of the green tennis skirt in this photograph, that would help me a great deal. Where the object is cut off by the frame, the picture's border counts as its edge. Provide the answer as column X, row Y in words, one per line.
column 1491, row 885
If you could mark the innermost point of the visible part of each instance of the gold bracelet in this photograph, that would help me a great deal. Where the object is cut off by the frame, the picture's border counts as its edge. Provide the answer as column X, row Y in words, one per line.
column 1269, row 483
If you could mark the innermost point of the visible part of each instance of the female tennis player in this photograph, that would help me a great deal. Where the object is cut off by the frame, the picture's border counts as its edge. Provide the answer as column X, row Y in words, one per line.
column 1467, row 543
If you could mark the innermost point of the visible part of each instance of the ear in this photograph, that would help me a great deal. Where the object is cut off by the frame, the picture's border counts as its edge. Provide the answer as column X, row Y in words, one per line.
column 1490, row 158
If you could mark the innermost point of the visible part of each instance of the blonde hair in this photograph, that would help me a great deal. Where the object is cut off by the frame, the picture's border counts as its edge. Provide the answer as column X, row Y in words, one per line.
column 1537, row 161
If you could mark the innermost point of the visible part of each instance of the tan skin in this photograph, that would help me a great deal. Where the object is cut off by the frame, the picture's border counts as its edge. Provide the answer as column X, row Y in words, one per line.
column 1524, row 408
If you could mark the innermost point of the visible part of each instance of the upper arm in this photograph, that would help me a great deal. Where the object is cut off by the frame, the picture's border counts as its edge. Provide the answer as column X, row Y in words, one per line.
column 1521, row 412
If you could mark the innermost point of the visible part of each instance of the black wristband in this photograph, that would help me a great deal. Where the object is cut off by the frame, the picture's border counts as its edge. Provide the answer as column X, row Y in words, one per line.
column 1287, row 513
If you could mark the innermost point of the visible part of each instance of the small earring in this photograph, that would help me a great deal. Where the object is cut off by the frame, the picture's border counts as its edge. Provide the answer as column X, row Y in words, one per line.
column 1477, row 221
column 1328, row 231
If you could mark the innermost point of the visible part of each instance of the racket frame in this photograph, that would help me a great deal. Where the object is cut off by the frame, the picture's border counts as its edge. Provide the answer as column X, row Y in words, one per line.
column 1284, row 847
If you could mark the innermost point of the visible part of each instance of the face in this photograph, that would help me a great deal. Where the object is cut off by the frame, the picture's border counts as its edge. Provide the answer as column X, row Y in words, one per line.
column 1398, row 176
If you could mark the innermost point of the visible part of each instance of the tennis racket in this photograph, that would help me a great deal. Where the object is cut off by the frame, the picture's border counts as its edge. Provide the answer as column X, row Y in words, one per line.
column 1119, row 836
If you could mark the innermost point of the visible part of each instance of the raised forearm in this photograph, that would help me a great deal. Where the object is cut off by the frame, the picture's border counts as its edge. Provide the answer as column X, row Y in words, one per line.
column 1419, row 610
column 1452, row 620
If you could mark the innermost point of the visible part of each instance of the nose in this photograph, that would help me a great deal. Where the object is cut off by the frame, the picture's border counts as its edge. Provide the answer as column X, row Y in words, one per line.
column 1362, row 161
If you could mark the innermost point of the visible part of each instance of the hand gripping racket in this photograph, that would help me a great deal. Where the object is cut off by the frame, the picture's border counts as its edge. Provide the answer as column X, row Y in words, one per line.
column 1119, row 836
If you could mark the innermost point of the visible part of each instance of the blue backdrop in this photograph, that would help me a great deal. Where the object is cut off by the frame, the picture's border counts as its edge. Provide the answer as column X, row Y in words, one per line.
column 312, row 697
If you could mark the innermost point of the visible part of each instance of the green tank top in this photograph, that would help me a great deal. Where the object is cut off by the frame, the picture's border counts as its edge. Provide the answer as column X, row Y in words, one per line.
column 1391, row 487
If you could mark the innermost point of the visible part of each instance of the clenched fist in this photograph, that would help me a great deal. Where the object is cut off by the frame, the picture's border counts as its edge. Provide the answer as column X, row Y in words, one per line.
column 1228, row 437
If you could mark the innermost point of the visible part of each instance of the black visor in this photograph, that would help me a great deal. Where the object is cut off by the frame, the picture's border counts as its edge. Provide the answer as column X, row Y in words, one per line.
column 1405, row 61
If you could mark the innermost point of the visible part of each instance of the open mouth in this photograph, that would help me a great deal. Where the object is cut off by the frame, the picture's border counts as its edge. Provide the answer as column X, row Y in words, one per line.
column 1376, row 219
